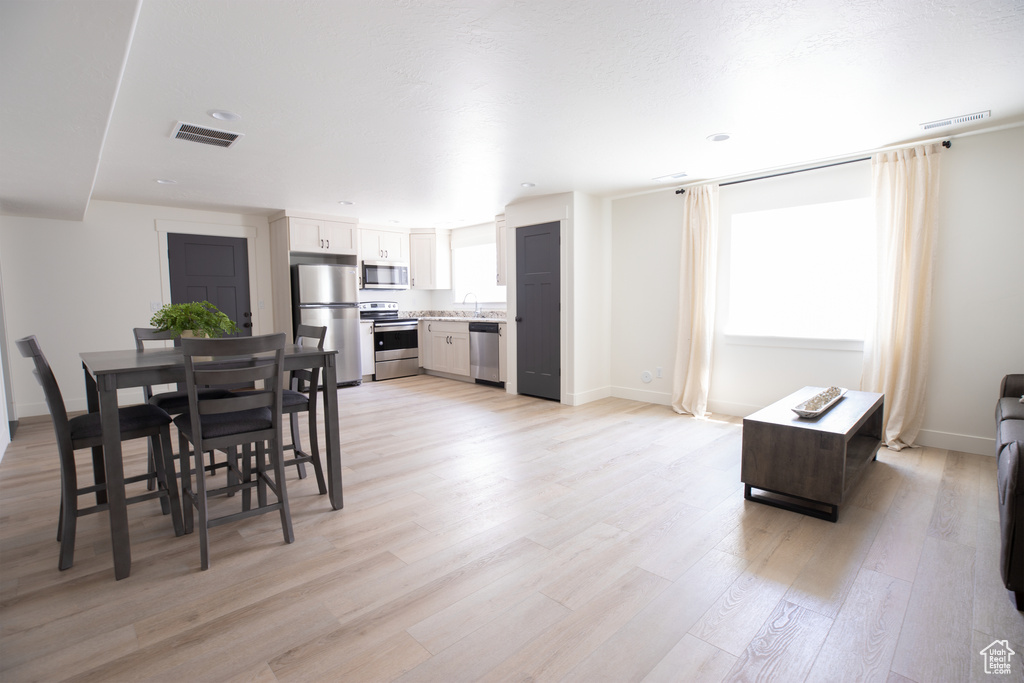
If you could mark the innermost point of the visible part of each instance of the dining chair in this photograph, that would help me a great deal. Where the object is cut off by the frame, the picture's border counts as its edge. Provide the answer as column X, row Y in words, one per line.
column 172, row 402
column 242, row 419
column 85, row 431
column 301, row 397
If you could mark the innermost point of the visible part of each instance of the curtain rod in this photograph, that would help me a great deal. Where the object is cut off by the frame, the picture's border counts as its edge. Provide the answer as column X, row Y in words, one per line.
column 945, row 143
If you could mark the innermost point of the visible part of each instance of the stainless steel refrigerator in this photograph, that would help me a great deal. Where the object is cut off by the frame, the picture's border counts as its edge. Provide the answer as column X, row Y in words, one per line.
column 325, row 295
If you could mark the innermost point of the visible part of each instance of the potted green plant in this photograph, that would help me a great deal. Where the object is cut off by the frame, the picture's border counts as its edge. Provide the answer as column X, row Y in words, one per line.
column 199, row 318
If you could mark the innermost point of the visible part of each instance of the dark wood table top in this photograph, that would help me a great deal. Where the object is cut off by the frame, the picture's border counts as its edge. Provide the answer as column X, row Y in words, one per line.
column 842, row 418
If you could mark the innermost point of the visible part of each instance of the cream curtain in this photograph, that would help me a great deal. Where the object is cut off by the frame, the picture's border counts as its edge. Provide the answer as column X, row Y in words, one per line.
column 906, row 184
column 692, row 378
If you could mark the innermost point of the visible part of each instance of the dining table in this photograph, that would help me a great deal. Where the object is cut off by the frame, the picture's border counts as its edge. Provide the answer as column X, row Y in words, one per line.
column 108, row 371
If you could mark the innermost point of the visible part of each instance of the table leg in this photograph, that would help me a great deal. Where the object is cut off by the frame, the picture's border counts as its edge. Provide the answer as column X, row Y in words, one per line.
column 93, row 404
column 333, row 436
column 118, row 507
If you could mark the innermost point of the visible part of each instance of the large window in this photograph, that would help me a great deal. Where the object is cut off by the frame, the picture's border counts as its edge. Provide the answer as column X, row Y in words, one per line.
column 475, row 265
column 802, row 272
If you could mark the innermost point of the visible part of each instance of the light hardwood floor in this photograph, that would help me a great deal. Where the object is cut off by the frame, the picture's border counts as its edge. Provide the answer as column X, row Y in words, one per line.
column 488, row 537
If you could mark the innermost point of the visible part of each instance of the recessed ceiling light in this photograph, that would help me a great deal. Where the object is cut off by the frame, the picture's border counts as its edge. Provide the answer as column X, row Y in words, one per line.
column 393, row 222
column 224, row 115
column 718, row 137
column 166, row 181
column 528, row 184
column 344, row 202
column 669, row 178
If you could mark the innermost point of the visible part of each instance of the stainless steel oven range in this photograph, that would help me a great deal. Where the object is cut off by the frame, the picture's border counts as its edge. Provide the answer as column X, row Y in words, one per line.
column 395, row 341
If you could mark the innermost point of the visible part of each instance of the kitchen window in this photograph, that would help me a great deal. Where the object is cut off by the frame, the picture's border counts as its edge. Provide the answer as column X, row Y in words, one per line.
column 475, row 265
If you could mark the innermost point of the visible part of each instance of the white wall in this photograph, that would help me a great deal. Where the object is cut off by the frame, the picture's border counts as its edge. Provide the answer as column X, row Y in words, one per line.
column 5, row 433
column 646, row 244
column 590, row 309
column 978, row 312
column 978, row 302
column 83, row 285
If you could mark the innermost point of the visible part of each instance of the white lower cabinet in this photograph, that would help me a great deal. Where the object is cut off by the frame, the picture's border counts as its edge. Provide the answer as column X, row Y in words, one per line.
column 502, row 352
column 366, row 351
column 444, row 347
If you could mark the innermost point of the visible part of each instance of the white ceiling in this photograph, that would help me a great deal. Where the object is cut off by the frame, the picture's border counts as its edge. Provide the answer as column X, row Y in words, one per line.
column 433, row 112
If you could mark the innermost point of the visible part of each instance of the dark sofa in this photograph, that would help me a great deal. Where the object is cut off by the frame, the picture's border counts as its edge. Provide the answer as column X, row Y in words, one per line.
column 1010, row 478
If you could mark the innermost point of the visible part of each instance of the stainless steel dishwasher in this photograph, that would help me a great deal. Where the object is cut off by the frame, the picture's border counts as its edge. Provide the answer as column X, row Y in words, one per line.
column 483, row 353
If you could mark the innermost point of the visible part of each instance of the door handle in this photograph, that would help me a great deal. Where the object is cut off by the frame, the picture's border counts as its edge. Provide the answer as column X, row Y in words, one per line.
column 518, row 319
column 247, row 325
column 328, row 244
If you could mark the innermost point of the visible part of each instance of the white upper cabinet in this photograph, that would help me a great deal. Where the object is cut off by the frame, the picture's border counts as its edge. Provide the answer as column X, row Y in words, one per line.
column 499, row 242
column 430, row 259
column 316, row 236
column 383, row 245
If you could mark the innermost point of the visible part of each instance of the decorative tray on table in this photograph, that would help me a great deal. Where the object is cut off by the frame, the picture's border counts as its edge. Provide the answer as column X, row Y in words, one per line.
column 819, row 403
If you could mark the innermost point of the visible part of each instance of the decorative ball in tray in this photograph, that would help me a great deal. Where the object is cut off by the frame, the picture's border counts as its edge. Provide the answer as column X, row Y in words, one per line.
column 819, row 403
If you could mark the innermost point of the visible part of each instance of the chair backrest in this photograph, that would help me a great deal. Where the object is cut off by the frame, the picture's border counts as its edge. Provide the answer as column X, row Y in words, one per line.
column 29, row 348
column 308, row 335
column 145, row 334
column 229, row 362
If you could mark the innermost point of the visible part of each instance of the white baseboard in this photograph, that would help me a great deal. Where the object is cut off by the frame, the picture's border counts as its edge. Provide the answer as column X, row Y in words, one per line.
column 658, row 397
column 731, row 408
column 588, row 396
column 957, row 442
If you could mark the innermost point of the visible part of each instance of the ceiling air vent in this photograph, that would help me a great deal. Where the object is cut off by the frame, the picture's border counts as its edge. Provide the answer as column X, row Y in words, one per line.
column 207, row 136
column 966, row 118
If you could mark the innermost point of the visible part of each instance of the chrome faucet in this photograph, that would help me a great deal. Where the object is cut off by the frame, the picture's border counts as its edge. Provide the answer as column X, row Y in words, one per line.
column 476, row 308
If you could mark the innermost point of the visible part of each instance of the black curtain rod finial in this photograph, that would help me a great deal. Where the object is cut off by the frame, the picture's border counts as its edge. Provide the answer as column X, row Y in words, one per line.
column 681, row 190
column 947, row 144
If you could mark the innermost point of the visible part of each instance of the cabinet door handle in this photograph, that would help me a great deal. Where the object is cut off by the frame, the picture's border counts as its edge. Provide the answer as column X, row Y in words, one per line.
column 321, row 244
column 328, row 244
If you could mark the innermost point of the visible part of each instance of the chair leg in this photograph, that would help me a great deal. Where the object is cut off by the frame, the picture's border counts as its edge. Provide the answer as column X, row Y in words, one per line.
column 158, row 479
column 277, row 460
column 170, row 480
column 261, row 474
column 203, row 511
column 314, row 452
column 151, row 460
column 297, row 443
column 187, row 497
column 246, row 467
column 67, row 525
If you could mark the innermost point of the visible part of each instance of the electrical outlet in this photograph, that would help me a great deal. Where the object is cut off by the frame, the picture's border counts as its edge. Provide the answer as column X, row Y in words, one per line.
column 155, row 306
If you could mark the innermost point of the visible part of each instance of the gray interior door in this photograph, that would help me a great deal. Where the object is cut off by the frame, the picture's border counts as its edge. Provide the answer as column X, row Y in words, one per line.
column 538, row 297
column 214, row 269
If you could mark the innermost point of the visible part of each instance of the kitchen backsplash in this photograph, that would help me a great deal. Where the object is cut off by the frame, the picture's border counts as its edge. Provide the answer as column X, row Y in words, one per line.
column 454, row 314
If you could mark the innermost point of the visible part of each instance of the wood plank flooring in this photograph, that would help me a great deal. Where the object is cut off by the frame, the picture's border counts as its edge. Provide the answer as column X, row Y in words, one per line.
column 488, row 537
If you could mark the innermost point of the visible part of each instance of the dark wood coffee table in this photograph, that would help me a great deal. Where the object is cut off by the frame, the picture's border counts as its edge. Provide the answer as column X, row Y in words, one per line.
column 809, row 465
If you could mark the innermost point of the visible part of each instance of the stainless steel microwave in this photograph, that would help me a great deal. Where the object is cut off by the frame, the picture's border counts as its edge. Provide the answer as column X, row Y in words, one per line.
column 385, row 275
